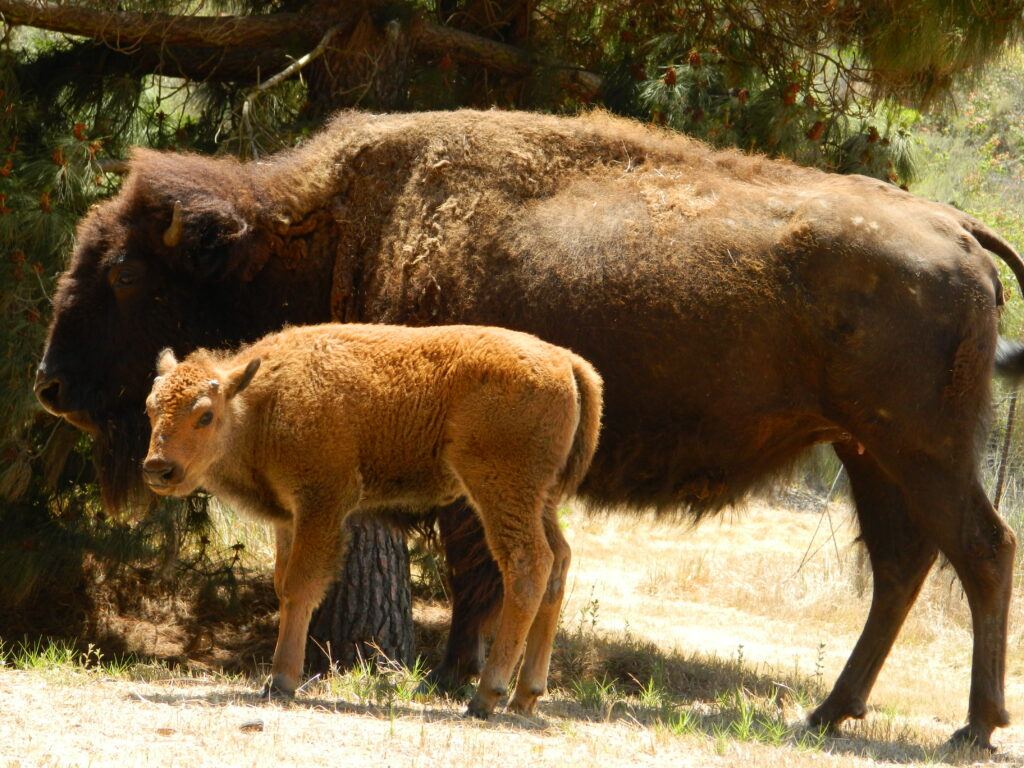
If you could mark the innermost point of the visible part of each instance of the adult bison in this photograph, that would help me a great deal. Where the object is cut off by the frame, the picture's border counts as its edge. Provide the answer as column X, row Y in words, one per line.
column 739, row 309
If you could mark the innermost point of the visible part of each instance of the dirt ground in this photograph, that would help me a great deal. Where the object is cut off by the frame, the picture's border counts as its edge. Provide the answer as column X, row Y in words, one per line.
column 678, row 647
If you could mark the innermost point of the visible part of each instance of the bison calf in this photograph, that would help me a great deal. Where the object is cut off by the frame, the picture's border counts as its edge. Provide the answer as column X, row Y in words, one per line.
column 308, row 425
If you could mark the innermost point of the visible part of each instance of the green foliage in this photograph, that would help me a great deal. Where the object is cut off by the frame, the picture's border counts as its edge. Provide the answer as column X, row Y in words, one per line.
column 378, row 683
column 715, row 85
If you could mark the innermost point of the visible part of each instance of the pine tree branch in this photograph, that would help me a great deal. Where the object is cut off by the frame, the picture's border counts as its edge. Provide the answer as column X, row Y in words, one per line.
column 152, row 35
column 90, row 59
column 474, row 49
column 126, row 29
column 234, row 65
column 296, row 65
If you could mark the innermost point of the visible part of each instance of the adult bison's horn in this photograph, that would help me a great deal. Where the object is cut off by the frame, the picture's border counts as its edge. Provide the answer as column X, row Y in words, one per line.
column 172, row 235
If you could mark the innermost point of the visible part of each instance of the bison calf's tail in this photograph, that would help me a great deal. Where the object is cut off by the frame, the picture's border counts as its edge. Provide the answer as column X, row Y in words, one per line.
column 589, row 396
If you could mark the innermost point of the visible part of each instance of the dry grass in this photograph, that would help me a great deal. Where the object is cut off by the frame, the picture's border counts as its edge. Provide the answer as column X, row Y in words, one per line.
column 681, row 647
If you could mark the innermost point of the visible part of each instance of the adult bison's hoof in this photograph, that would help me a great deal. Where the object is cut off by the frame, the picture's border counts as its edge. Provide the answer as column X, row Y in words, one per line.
column 969, row 737
column 831, row 714
column 447, row 681
column 277, row 688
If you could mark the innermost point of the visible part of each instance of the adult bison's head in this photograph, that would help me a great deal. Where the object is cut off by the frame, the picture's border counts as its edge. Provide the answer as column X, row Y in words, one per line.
column 159, row 265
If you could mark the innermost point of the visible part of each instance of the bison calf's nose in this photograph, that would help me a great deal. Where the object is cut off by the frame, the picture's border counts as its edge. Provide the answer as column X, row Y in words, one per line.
column 49, row 390
column 160, row 472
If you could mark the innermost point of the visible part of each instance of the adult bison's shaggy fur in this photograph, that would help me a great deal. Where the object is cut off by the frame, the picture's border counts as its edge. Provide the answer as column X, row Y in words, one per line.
column 311, row 424
column 739, row 310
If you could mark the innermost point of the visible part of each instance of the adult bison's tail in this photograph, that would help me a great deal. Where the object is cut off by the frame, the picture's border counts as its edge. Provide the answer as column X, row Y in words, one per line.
column 1010, row 360
column 1009, row 354
column 589, row 393
column 994, row 243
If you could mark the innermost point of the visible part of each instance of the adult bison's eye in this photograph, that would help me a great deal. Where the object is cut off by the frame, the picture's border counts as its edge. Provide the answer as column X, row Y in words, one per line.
column 125, row 274
column 205, row 420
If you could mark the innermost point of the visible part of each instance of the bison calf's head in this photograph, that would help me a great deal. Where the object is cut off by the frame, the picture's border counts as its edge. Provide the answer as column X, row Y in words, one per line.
column 191, row 412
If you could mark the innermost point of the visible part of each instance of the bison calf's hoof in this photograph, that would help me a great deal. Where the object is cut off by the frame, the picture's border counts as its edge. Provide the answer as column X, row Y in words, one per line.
column 969, row 737
column 524, row 707
column 277, row 688
column 483, row 702
column 478, row 709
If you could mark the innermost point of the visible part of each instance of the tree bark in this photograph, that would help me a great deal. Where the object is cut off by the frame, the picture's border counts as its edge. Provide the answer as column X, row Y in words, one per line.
column 368, row 611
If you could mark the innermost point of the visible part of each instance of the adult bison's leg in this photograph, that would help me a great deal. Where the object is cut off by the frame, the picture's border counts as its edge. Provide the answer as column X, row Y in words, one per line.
column 475, row 584
column 955, row 511
column 901, row 556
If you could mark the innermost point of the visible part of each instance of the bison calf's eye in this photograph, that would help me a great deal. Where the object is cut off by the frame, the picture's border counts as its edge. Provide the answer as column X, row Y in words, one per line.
column 205, row 419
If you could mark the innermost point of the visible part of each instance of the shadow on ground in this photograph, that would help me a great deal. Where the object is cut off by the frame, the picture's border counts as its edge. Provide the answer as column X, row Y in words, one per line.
column 595, row 678
column 601, row 679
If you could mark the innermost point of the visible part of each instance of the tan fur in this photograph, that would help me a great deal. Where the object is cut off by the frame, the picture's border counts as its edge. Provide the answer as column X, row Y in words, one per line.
column 339, row 418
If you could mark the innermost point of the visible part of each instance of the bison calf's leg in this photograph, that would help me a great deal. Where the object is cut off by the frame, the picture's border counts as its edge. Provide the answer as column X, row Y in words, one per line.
column 310, row 566
column 533, row 676
column 900, row 559
column 283, row 544
column 475, row 583
column 517, row 540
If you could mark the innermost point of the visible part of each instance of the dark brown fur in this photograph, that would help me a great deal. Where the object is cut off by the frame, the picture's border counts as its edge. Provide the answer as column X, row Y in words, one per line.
column 739, row 310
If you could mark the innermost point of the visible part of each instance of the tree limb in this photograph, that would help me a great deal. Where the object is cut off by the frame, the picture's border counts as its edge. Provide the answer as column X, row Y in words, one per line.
column 280, row 77
column 474, row 49
column 132, row 32
column 91, row 59
column 296, row 65
column 125, row 29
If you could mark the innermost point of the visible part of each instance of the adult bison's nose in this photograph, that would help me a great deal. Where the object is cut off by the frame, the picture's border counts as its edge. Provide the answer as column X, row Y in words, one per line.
column 51, row 390
column 160, row 472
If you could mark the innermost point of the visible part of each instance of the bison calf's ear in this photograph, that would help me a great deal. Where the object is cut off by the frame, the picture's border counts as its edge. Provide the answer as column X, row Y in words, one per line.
column 239, row 378
column 165, row 362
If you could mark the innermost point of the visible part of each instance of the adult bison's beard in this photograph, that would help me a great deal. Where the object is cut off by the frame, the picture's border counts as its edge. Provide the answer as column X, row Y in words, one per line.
column 118, row 451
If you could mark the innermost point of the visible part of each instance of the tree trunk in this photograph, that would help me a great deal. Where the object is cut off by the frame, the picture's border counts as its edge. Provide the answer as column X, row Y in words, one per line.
column 368, row 611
